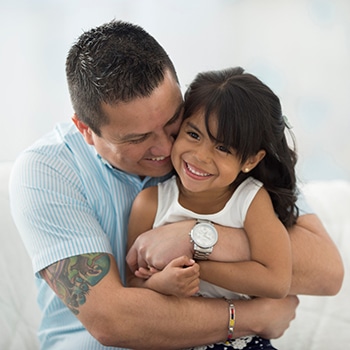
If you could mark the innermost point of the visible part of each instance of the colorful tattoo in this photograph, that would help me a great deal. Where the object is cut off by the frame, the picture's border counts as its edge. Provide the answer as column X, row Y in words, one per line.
column 73, row 277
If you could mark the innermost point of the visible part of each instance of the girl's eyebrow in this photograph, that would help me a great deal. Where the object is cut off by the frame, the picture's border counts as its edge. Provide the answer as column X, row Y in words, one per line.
column 193, row 126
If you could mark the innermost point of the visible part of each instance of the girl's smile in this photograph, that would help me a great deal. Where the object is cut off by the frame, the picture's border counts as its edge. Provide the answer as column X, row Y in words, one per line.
column 195, row 172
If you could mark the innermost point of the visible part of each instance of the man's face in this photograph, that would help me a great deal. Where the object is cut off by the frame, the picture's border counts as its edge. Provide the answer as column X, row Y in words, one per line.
column 140, row 133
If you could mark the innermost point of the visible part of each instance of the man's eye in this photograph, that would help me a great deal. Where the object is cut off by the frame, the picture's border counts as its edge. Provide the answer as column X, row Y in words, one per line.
column 141, row 139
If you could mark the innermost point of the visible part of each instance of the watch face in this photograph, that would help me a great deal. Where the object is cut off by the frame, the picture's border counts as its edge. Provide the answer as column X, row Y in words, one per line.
column 204, row 235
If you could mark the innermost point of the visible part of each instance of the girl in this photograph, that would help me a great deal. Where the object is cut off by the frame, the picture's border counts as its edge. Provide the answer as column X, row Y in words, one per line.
column 234, row 168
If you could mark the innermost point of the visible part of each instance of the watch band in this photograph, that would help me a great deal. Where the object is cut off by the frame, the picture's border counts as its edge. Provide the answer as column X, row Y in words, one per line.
column 200, row 254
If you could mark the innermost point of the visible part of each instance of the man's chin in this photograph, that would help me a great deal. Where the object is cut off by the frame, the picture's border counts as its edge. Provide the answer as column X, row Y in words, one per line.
column 154, row 168
column 158, row 172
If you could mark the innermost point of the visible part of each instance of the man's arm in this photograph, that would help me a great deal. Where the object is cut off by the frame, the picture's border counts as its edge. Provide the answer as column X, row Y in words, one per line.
column 142, row 319
column 126, row 317
column 312, row 252
column 317, row 265
column 159, row 246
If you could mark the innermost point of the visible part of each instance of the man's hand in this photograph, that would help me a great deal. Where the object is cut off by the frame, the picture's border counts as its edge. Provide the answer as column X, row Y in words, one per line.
column 157, row 247
column 268, row 318
column 275, row 324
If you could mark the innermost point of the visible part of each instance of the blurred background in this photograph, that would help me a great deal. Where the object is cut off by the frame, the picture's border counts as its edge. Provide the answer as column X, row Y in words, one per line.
column 300, row 48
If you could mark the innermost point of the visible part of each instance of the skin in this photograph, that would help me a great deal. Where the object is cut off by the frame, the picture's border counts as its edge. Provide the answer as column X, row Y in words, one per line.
column 114, row 321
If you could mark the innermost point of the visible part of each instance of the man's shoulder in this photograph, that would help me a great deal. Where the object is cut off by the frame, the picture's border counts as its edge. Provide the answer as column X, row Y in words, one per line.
column 56, row 156
column 63, row 137
column 63, row 144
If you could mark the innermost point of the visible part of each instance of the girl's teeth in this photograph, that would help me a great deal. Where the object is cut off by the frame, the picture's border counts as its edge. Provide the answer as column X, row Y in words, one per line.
column 195, row 172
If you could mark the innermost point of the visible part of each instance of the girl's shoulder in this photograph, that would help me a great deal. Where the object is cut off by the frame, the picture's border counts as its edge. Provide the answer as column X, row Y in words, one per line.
column 146, row 203
column 147, row 194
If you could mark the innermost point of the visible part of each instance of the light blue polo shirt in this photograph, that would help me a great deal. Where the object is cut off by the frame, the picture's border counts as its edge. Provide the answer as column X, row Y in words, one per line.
column 66, row 200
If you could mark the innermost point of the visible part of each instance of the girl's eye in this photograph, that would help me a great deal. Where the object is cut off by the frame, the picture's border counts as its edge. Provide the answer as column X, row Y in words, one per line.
column 193, row 135
column 223, row 149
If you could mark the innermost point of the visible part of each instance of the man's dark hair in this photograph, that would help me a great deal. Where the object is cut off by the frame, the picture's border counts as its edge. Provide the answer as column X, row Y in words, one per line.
column 115, row 62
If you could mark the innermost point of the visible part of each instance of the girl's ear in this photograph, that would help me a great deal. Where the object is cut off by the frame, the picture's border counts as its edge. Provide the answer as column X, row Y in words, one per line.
column 253, row 161
column 84, row 130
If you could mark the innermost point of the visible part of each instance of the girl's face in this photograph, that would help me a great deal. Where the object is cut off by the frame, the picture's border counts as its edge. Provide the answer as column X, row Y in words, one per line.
column 201, row 163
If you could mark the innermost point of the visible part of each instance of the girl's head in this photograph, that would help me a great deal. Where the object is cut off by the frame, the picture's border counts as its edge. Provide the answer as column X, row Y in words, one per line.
column 249, row 121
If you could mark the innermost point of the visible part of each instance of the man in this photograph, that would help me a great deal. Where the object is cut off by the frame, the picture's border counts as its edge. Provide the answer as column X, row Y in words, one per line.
column 71, row 194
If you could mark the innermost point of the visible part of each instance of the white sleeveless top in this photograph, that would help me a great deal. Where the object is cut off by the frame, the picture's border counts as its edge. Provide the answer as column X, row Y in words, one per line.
column 232, row 215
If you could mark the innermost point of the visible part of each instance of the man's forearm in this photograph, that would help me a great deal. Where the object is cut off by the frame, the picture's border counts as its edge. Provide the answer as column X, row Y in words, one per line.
column 159, row 246
column 232, row 245
column 142, row 319
column 134, row 318
column 147, row 320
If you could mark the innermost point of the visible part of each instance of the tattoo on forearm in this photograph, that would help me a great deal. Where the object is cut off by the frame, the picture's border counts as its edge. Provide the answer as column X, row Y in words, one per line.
column 72, row 278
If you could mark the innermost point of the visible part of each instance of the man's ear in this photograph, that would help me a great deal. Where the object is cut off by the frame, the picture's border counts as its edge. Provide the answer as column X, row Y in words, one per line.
column 84, row 130
column 253, row 161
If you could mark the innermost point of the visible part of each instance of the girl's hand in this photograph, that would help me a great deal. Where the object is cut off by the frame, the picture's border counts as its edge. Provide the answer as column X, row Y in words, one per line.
column 179, row 278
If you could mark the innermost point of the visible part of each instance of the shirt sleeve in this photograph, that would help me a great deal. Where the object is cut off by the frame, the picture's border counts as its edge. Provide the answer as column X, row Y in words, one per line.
column 51, row 211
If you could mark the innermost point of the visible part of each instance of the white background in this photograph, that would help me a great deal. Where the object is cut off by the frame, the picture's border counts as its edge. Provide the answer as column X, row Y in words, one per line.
column 300, row 48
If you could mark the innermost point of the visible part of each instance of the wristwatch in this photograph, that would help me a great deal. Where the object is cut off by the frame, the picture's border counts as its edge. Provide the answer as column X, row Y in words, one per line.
column 204, row 236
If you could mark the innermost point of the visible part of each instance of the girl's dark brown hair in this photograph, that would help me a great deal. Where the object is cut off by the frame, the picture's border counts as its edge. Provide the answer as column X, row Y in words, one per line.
column 249, row 119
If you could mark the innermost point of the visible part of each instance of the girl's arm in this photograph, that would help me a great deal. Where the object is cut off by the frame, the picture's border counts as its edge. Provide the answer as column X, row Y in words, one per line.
column 181, row 276
column 141, row 219
column 269, row 272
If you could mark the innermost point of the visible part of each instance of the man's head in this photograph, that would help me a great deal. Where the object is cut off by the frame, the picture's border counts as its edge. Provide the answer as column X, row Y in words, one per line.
column 126, row 97
column 115, row 62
